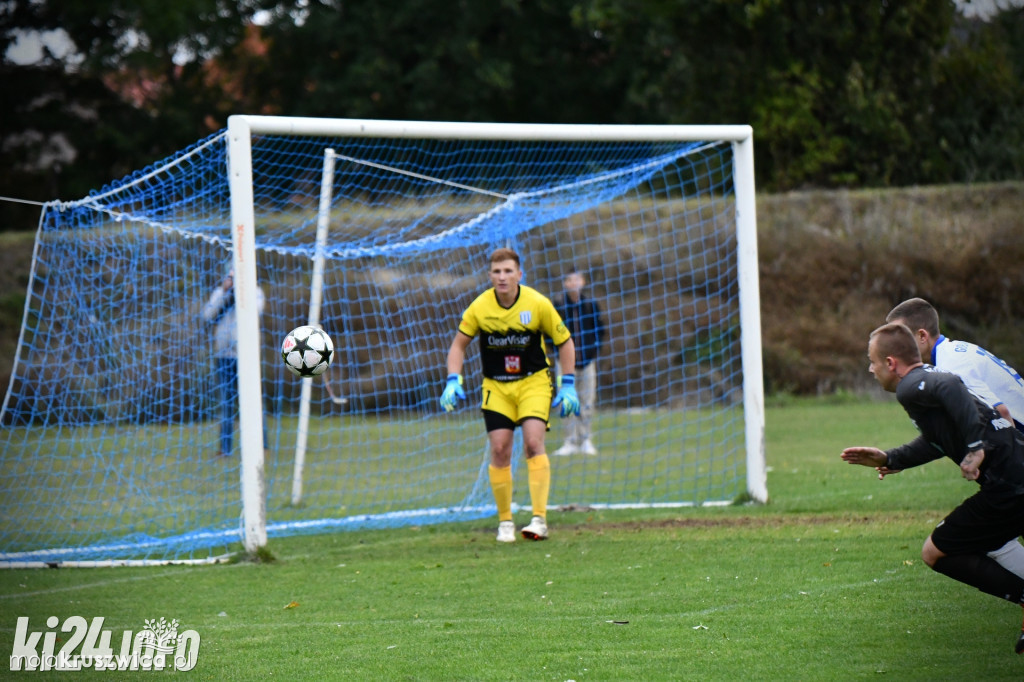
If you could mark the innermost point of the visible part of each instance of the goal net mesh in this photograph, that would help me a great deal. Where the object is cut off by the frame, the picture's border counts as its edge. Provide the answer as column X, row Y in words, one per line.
column 111, row 425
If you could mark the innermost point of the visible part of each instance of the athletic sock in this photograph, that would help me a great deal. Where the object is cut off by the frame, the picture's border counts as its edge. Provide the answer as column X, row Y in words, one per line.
column 983, row 572
column 539, row 476
column 501, row 486
column 1011, row 557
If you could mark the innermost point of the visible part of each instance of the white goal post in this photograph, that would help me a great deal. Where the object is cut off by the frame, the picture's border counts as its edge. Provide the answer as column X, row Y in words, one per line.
column 242, row 130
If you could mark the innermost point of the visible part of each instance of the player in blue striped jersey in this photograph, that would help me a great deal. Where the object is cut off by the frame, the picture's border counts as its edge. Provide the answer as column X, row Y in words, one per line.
column 991, row 379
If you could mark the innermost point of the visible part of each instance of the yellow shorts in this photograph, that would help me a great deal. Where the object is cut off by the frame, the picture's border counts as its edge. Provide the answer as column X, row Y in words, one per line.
column 518, row 400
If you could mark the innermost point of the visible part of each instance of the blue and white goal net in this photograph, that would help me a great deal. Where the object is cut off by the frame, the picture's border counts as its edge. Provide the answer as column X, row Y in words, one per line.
column 110, row 439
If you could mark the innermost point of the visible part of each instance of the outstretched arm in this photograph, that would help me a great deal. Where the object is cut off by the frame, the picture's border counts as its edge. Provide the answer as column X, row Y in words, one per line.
column 566, row 396
column 567, row 357
column 869, row 457
column 457, row 352
column 220, row 300
column 453, row 391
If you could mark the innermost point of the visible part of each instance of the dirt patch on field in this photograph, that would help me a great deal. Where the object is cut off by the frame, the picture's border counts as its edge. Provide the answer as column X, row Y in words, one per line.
column 597, row 525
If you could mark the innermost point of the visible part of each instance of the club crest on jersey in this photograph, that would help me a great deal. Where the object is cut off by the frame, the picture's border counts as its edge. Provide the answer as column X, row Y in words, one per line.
column 513, row 364
column 525, row 317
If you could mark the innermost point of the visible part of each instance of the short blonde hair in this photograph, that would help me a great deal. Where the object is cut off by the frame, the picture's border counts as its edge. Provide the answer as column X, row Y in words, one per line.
column 504, row 254
column 896, row 340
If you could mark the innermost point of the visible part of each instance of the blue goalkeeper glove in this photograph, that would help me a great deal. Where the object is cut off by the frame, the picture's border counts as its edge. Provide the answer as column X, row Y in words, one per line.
column 566, row 396
column 453, row 392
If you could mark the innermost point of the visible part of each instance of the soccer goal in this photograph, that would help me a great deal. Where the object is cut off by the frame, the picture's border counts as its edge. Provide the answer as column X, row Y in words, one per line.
column 380, row 232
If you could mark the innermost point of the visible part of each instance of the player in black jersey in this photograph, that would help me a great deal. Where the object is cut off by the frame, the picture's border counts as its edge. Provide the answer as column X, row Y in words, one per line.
column 954, row 423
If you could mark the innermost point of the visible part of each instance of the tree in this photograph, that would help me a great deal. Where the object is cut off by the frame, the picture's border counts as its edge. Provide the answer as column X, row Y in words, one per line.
column 860, row 77
column 978, row 135
column 532, row 61
column 839, row 94
column 129, row 90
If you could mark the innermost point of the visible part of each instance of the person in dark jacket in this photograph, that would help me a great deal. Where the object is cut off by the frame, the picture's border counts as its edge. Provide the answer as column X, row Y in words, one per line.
column 954, row 424
column 582, row 316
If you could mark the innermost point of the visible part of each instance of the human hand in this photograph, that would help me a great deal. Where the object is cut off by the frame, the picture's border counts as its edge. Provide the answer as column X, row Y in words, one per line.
column 566, row 396
column 453, row 392
column 886, row 471
column 971, row 463
column 869, row 457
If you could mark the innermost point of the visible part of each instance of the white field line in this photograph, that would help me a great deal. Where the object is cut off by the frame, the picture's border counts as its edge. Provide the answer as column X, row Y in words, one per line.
column 229, row 623
column 87, row 586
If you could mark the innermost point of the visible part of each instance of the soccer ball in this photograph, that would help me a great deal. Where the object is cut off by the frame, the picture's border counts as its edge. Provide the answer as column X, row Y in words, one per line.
column 307, row 351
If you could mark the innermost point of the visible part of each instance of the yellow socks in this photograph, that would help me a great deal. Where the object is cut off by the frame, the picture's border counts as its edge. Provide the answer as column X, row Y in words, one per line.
column 539, row 476
column 501, row 486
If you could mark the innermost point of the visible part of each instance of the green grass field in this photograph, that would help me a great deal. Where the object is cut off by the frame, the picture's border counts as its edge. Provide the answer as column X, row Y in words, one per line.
column 161, row 480
column 823, row 583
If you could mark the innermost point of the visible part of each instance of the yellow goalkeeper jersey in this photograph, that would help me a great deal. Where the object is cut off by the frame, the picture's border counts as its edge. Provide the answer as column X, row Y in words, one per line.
column 512, row 343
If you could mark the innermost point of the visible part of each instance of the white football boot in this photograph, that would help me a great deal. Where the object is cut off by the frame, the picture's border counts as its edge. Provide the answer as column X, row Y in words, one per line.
column 568, row 449
column 506, row 531
column 537, row 530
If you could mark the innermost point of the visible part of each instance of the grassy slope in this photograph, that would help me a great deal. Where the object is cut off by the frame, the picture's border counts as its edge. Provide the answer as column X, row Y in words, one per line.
column 15, row 264
column 832, row 265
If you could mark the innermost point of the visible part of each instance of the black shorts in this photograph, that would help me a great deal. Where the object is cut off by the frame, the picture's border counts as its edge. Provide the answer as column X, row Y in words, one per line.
column 496, row 420
column 982, row 523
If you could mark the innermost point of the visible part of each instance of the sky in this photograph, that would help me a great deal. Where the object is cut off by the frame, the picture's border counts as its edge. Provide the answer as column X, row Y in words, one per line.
column 985, row 8
column 27, row 47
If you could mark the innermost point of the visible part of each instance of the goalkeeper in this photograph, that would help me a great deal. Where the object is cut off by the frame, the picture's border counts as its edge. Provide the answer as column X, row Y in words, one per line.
column 512, row 321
